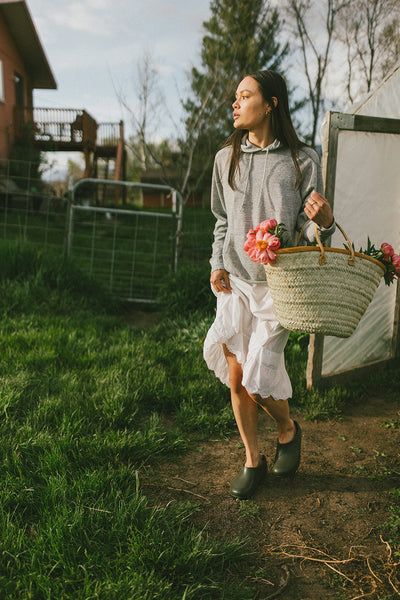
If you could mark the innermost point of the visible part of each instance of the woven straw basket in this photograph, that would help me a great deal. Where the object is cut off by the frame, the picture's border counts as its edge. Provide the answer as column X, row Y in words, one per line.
column 322, row 290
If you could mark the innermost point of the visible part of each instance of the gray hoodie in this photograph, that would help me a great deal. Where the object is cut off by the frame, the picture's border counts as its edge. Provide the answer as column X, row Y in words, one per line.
column 265, row 189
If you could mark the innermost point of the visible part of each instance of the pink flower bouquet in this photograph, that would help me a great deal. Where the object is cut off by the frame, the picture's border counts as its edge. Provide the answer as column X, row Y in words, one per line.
column 387, row 257
column 391, row 261
column 263, row 241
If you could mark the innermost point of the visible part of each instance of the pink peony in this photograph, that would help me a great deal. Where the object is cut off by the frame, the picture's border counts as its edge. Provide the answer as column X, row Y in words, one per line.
column 262, row 235
column 266, row 245
column 250, row 240
column 387, row 250
column 253, row 253
column 268, row 224
column 274, row 242
column 261, row 244
column 249, row 243
column 396, row 263
column 266, row 256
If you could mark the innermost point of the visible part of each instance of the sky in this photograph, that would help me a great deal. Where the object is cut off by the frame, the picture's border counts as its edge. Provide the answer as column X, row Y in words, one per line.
column 94, row 46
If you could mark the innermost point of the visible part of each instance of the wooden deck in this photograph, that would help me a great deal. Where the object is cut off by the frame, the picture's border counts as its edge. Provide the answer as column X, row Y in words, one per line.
column 69, row 129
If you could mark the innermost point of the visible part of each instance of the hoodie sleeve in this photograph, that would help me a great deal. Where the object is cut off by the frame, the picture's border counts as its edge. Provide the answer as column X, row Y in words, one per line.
column 311, row 180
column 219, row 211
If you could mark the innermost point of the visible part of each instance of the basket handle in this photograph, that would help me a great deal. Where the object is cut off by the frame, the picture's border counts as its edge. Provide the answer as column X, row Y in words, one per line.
column 322, row 257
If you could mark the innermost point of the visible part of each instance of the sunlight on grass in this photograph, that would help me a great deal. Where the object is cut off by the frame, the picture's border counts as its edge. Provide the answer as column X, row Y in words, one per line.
column 84, row 405
column 87, row 403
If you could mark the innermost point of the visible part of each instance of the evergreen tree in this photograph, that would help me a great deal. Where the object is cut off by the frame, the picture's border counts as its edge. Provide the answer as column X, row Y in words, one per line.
column 241, row 37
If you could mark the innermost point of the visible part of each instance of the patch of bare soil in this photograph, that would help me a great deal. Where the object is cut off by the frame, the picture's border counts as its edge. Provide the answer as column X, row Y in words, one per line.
column 318, row 536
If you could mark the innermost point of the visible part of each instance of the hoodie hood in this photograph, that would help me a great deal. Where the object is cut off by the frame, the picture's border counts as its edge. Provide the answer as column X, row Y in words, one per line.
column 248, row 147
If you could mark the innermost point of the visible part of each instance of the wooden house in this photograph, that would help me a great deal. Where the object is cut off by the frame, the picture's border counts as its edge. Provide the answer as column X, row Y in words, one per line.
column 23, row 68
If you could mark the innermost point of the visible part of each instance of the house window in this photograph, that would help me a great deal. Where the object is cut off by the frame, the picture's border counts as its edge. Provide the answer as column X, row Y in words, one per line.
column 1, row 82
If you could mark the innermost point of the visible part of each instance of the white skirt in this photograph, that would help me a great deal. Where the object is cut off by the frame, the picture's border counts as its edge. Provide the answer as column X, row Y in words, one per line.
column 246, row 323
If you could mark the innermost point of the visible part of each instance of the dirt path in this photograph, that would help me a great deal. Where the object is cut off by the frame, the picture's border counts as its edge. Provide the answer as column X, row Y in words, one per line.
column 332, row 512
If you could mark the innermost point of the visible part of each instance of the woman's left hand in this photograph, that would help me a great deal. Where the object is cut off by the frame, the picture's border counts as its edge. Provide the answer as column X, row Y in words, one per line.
column 317, row 208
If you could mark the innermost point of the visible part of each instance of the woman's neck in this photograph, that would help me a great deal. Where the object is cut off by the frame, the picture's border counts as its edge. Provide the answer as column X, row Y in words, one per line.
column 261, row 138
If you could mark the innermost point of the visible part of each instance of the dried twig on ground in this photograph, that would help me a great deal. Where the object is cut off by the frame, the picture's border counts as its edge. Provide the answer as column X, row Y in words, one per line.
column 360, row 574
column 393, row 586
column 365, row 595
column 371, row 571
column 188, row 492
column 283, row 582
column 185, row 480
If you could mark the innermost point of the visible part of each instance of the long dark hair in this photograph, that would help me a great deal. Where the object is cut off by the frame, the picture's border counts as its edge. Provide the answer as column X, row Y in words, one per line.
column 271, row 84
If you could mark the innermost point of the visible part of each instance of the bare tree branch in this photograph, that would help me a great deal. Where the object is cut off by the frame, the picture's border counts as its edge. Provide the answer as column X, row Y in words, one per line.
column 369, row 30
column 315, row 60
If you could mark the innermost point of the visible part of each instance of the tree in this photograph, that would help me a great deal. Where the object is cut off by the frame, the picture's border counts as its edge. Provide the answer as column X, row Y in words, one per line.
column 144, row 116
column 368, row 31
column 148, row 153
column 390, row 38
column 371, row 34
column 75, row 170
column 240, row 37
column 315, row 43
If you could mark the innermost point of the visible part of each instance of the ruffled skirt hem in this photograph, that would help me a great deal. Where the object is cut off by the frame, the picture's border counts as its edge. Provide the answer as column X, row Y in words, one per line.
column 246, row 324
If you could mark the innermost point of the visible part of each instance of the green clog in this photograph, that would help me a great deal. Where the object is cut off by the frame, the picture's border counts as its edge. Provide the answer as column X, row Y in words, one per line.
column 287, row 458
column 246, row 483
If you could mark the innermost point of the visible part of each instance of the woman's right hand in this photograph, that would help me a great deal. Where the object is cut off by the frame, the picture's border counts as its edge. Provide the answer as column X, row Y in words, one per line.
column 220, row 281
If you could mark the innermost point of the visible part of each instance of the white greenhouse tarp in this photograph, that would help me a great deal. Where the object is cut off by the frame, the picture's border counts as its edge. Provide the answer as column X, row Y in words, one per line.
column 384, row 101
column 367, row 203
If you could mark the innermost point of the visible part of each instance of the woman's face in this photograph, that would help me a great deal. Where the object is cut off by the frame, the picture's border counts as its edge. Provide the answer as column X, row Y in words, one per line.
column 250, row 108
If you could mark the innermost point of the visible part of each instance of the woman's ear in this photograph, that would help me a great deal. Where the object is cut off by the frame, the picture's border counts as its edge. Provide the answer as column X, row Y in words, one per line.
column 275, row 101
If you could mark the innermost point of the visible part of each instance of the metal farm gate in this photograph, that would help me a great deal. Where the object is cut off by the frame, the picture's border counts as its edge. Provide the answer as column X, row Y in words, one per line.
column 131, row 251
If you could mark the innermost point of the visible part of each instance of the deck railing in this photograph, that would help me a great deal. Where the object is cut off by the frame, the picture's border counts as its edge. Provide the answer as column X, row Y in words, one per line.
column 58, row 125
column 108, row 134
column 70, row 129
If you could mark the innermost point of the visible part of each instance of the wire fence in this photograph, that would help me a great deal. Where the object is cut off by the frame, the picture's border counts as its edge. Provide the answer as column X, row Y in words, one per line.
column 131, row 251
column 31, row 209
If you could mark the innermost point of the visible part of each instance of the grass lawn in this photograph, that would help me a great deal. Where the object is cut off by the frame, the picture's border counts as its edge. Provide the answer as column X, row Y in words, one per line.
column 83, row 408
column 89, row 403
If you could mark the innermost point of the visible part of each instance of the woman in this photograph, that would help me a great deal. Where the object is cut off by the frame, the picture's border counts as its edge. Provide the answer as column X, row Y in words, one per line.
column 262, row 172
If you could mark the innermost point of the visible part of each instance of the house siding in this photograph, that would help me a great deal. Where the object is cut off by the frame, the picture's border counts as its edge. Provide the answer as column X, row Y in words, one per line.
column 12, row 63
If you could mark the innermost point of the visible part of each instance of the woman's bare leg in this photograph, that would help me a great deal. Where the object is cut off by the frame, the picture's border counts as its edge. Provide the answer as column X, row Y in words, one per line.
column 288, row 450
column 278, row 410
column 245, row 410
